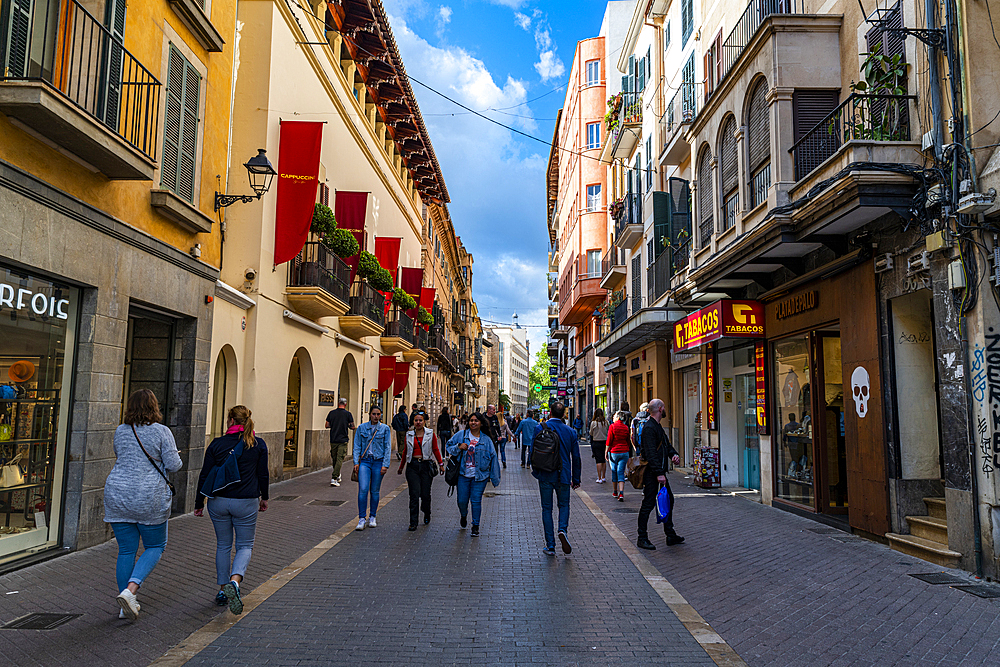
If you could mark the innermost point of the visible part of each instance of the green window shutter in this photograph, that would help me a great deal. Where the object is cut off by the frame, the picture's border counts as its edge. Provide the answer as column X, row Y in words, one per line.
column 189, row 133
column 114, row 20
column 16, row 36
column 172, row 121
column 180, row 126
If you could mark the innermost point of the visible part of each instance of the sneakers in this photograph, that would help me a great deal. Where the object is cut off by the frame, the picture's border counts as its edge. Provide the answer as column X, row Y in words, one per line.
column 674, row 539
column 463, row 522
column 427, row 519
column 549, row 551
column 361, row 524
column 232, row 592
column 128, row 603
column 372, row 523
column 121, row 613
column 644, row 543
column 621, row 497
column 221, row 599
column 335, row 482
column 412, row 527
column 566, row 547
column 475, row 530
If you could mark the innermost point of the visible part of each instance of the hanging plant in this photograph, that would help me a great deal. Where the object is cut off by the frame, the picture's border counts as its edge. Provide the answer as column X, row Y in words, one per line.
column 368, row 265
column 323, row 221
column 382, row 280
column 424, row 317
column 342, row 243
column 403, row 300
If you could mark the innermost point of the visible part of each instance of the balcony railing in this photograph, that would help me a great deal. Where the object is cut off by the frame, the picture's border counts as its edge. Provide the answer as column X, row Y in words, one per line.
column 74, row 53
column 612, row 258
column 860, row 117
column 401, row 326
column 658, row 276
column 317, row 266
column 629, row 112
column 620, row 314
column 722, row 60
column 631, row 213
column 367, row 302
column 422, row 339
column 681, row 110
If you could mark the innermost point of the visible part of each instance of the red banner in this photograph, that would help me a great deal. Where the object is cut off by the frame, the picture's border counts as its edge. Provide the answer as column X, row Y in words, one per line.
column 350, row 209
column 427, row 301
column 402, row 377
column 711, row 397
column 411, row 280
column 387, row 253
column 298, row 177
column 760, row 368
column 386, row 372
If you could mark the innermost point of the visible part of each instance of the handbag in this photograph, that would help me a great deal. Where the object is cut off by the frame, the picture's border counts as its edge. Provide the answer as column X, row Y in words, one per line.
column 173, row 491
column 5, row 430
column 11, row 475
column 453, row 471
column 635, row 469
column 662, row 505
column 354, row 473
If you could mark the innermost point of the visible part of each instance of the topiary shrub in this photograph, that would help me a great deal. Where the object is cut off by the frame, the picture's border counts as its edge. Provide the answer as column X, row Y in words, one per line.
column 403, row 300
column 368, row 265
column 323, row 222
column 382, row 280
column 342, row 243
column 423, row 317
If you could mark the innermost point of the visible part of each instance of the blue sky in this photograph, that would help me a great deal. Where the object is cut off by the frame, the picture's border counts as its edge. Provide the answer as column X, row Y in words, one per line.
column 495, row 55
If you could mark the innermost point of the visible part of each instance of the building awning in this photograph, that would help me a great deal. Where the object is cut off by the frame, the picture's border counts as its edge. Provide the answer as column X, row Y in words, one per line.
column 646, row 326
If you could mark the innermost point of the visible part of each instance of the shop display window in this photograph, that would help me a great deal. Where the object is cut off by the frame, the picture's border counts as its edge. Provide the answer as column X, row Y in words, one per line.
column 37, row 330
column 794, row 455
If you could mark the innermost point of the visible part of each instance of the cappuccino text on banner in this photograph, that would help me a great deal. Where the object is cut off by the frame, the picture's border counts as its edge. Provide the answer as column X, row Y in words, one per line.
column 298, row 177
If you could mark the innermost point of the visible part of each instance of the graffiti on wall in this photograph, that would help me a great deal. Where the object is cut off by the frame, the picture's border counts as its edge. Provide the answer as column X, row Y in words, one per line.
column 986, row 393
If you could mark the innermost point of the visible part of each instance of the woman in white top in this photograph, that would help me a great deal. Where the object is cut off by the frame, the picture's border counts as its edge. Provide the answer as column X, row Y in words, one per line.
column 598, row 442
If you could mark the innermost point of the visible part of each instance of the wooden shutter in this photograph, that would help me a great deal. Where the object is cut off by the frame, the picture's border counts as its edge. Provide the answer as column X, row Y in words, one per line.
column 189, row 133
column 729, row 157
column 172, row 120
column 114, row 21
column 706, row 206
column 809, row 107
column 758, row 128
column 687, row 20
column 706, row 67
column 717, row 48
column 180, row 126
column 631, row 74
column 16, row 40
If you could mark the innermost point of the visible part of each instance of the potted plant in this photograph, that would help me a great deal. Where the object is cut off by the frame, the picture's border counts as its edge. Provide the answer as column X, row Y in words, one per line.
column 381, row 280
column 402, row 300
column 368, row 265
column 424, row 317
column 342, row 243
column 323, row 221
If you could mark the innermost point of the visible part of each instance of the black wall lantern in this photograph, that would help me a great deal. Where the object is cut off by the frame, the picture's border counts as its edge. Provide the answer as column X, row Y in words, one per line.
column 261, row 174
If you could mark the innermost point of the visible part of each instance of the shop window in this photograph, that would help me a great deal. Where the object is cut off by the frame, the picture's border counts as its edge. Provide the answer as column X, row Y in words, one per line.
column 794, row 466
column 37, row 332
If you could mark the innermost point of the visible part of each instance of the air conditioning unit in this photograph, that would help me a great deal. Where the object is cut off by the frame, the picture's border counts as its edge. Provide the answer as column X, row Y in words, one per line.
column 883, row 263
column 919, row 262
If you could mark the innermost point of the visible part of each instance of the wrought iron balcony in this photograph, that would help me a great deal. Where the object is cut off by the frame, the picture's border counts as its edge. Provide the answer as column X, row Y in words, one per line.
column 318, row 282
column 67, row 77
column 623, row 134
column 401, row 326
column 680, row 112
column 612, row 269
column 628, row 224
column 366, row 316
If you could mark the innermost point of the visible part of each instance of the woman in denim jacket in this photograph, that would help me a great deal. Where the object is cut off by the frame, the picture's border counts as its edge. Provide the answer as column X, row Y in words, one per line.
column 372, row 455
column 479, row 463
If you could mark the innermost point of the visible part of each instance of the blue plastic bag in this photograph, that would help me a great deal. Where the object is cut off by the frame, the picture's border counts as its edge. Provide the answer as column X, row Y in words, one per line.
column 662, row 505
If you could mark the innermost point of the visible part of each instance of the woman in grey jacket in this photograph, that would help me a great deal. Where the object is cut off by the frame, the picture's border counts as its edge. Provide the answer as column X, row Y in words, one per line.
column 137, row 495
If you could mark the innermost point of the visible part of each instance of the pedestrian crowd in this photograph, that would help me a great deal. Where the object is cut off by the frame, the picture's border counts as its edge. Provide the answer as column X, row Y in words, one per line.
column 233, row 484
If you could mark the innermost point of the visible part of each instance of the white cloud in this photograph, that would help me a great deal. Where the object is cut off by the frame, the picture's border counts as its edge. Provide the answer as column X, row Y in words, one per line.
column 445, row 14
column 522, row 20
column 543, row 40
column 549, row 66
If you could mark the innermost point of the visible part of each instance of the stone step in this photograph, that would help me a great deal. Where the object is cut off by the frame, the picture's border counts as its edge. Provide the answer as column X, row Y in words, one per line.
column 936, row 507
column 929, row 527
column 924, row 549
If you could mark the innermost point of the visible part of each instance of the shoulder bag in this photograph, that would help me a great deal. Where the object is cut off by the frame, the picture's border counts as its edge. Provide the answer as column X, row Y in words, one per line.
column 453, row 470
column 173, row 491
column 354, row 473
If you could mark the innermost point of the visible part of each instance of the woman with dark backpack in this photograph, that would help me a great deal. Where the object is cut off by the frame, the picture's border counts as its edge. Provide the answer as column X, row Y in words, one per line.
column 137, row 494
column 234, row 478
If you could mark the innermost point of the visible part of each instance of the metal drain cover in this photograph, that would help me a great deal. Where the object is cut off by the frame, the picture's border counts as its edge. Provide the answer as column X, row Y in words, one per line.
column 285, row 498
column 939, row 578
column 626, row 510
column 980, row 590
column 39, row 621
column 327, row 503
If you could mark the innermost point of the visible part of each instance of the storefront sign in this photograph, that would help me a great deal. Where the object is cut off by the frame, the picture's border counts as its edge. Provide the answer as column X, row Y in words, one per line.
column 24, row 300
column 794, row 305
column 710, row 394
column 723, row 319
column 327, row 397
column 760, row 367
column 432, row 368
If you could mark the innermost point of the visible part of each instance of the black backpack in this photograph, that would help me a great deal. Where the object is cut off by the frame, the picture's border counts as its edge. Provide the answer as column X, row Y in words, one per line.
column 545, row 450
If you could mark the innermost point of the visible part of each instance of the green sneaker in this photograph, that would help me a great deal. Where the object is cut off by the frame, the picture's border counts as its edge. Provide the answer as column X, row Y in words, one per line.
column 232, row 591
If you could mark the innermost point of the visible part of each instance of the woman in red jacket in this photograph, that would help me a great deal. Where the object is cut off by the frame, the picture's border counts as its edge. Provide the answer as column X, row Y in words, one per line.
column 618, row 448
column 423, row 461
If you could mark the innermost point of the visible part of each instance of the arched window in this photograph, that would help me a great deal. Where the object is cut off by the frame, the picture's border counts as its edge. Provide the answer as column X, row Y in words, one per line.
column 705, row 204
column 729, row 169
column 758, row 144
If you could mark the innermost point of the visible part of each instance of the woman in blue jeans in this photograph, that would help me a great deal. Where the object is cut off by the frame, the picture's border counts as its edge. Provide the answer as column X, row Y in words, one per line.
column 372, row 456
column 479, row 465
column 240, row 491
column 136, row 495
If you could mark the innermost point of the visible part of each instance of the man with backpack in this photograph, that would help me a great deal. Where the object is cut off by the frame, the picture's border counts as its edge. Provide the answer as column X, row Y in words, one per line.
column 555, row 463
column 656, row 451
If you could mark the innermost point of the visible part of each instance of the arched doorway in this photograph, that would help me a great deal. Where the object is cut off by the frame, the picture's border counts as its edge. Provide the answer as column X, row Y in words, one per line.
column 224, row 384
column 347, row 385
column 293, row 413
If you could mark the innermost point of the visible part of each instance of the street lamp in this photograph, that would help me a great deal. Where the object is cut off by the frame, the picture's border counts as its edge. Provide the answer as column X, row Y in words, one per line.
column 261, row 174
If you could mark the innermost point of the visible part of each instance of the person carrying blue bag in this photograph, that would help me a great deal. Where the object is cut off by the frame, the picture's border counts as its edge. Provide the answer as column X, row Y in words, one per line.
column 234, row 479
column 657, row 451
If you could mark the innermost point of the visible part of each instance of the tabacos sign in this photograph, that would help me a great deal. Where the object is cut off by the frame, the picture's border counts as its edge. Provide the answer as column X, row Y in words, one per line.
column 727, row 318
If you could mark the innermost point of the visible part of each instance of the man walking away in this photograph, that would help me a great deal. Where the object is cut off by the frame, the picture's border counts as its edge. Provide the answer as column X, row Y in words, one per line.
column 414, row 411
column 526, row 429
column 444, row 426
column 578, row 425
column 400, row 424
column 560, row 479
column 500, row 432
column 656, row 450
column 339, row 421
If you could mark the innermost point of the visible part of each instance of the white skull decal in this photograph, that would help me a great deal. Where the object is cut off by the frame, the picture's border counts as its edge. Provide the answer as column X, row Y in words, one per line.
column 861, row 390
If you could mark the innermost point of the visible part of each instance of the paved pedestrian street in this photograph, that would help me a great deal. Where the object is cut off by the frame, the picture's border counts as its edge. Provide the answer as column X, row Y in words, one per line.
column 751, row 584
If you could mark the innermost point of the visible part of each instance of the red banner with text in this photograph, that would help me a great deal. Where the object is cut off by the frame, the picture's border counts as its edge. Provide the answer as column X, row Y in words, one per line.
column 350, row 210
column 386, row 372
column 402, row 376
column 299, row 146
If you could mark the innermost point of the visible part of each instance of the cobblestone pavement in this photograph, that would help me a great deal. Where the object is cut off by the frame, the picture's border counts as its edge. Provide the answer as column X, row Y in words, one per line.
column 176, row 599
column 439, row 596
column 786, row 590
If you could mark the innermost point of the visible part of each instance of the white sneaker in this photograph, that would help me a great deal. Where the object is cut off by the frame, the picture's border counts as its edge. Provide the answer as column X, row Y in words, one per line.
column 361, row 524
column 130, row 606
column 372, row 523
column 121, row 613
column 334, row 482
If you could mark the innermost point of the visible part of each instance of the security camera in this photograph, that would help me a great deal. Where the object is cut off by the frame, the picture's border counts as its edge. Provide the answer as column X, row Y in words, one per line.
column 250, row 274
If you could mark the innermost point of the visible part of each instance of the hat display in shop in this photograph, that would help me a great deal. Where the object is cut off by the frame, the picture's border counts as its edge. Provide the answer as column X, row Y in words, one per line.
column 21, row 371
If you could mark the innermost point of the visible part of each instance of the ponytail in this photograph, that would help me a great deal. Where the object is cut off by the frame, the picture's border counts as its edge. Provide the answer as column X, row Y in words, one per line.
column 240, row 414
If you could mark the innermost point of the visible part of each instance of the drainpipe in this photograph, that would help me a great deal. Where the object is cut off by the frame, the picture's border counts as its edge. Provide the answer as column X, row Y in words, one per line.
column 930, row 9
